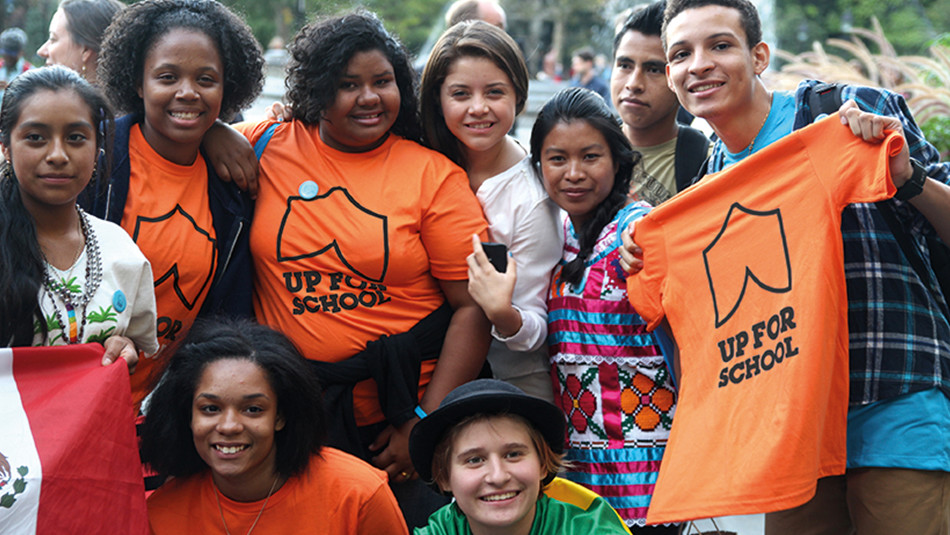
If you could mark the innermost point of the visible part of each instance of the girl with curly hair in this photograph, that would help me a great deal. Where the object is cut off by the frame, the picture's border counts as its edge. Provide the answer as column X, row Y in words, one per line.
column 238, row 421
column 175, row 66
column 474, row 85
column 359, row 243
column 65, row 277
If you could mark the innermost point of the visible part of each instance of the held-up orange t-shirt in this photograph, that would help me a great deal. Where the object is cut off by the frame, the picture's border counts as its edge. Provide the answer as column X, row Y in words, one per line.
column 348, row 247
column 747, row 267
column 168, row 215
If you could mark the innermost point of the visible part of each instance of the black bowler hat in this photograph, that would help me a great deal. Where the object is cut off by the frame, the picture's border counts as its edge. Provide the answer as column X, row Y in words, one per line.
column 482, row 396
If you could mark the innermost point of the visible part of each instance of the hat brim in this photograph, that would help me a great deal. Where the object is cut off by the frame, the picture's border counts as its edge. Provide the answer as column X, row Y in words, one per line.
column 427, row 433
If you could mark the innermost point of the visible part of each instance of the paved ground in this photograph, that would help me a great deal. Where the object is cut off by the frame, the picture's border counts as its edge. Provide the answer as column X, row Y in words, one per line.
column 742, row 525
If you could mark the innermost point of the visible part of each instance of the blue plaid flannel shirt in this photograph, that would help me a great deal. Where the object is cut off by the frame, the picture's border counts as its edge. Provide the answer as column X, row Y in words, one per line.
column 899, row 337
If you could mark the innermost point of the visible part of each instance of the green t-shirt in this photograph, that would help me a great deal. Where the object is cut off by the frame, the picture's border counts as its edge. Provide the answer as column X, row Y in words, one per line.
column 551, row 516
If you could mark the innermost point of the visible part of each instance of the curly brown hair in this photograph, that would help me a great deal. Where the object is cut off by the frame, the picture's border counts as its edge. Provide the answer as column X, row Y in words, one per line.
column 135, row 30
column 320, row 53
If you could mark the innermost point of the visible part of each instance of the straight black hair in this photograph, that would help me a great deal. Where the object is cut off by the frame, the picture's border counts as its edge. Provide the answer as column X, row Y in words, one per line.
column 22, row 264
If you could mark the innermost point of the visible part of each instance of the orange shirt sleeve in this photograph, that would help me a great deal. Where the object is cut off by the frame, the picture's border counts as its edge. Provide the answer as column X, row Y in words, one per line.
column 826, row 146
column 449, row 222
column 381, row 514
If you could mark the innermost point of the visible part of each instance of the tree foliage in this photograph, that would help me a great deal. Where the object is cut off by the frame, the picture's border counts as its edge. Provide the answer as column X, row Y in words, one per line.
column 409, row 19
column 911, row 25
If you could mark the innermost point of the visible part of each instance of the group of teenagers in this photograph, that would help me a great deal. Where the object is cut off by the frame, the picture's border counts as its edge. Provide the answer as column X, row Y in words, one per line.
column 305, row 304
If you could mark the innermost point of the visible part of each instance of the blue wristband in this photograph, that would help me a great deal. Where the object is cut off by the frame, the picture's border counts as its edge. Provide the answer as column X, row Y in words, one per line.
column 420, row 413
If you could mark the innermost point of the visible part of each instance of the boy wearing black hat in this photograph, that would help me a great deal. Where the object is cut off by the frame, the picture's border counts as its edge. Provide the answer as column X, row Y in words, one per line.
column 495, row 449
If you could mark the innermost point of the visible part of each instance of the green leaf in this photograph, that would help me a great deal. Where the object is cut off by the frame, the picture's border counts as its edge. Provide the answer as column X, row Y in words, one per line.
column 7, row 500
column 589, row 377
column 23, row 471
column 19, row 486
column 71, row 285
column 102, row 315
column 100, row 338
column 597, row 430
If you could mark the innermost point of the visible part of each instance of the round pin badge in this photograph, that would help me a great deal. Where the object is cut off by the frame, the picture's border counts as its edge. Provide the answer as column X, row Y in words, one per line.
column 119, row 301
column 308, row 189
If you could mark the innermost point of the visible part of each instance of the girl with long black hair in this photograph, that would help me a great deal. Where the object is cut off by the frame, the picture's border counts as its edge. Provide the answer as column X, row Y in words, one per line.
column 65, row 276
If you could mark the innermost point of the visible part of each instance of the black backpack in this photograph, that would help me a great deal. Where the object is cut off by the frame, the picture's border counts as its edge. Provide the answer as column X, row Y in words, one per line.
column 692, row 149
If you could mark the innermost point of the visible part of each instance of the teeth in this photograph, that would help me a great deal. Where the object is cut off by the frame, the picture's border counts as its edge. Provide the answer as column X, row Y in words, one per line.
column 185, row 115
column 705, row 87
column 480, row 125
column 499, row 497
column 229, row 449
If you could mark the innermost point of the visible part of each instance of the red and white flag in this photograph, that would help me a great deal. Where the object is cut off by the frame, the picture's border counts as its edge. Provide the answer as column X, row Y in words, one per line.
column 68, row 456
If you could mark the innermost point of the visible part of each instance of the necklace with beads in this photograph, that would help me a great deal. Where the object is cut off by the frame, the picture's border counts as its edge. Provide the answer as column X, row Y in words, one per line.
column 75, row 300
column 221, row 511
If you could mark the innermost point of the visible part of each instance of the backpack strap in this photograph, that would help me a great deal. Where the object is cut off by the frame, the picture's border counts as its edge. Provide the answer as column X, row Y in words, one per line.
column 692, row 149
column 264, row 140
column 825, row 99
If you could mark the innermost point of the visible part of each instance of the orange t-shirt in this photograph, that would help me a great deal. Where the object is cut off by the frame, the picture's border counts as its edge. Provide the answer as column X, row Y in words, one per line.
column 168, row 215
column 350, row 247
column 336, row 494
column 747, row 267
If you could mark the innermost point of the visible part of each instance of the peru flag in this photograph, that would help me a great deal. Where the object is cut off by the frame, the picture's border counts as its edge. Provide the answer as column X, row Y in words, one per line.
column 68, row 456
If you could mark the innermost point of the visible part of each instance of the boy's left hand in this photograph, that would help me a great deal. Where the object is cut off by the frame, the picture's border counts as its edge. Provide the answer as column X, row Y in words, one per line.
column 873, row 128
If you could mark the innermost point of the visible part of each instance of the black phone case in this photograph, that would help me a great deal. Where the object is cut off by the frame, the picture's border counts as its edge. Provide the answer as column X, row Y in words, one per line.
column 497, row 254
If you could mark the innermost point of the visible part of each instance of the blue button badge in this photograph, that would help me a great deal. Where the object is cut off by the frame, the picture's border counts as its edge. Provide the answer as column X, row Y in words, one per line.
column 308, row 189
column 119, row 301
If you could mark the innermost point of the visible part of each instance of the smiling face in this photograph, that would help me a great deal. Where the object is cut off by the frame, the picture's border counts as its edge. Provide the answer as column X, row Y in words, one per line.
column 639, row 90
column 60, row 48
column 710, row 65
column 577, row 167
column 233, row 419
column 182, row 88
column 495, row 475
column 366, row 105
column 52, row 148
column 478, row 104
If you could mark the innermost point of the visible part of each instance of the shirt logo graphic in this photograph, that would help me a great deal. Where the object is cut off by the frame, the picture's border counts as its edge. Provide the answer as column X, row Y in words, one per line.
column 179, row 227
column 335, row 221
column 731, row 261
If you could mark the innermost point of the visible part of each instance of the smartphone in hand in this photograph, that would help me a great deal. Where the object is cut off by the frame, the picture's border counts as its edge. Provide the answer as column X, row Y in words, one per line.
column 497, row 254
